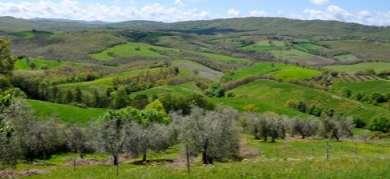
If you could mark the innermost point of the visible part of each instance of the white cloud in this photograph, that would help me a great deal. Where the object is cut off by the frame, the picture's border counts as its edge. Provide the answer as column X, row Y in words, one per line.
column 319, row 2
column 333, row 12
column 179, row 2
column 257, row 13
column 73, row 9
column 233, row 13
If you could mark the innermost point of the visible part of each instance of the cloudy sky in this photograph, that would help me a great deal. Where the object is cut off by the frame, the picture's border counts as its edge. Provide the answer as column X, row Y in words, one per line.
column 370, row 12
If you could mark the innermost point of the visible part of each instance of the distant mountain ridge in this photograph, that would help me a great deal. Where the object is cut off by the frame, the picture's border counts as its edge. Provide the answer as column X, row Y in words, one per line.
column 258, row 25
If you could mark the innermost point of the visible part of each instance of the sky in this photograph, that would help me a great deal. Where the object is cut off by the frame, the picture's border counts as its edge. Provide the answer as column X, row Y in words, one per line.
column 369, row 12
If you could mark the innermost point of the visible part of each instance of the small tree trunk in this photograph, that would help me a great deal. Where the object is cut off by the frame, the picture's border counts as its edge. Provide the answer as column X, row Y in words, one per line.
column 144, row 157
column 116, row 159
column 327, row 150
column 81, row 155
column 205, row 157
column 74, row 163
column 188, row 160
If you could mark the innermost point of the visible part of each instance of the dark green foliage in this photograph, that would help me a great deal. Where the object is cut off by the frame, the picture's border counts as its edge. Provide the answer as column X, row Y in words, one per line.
column 120, row 98
column 6, row 64
column 139, row 101
column 216, row 90
column 6, row 60
column 359, row 122
column 380, row 124
column 184, row 104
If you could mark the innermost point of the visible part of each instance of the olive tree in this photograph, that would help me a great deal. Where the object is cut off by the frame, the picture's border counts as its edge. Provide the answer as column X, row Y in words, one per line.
column 113, row 135
column 304, row 128
column 78, row 141
column 141, row 138
column 336, row 128
column 266, row 125
column 214, row 134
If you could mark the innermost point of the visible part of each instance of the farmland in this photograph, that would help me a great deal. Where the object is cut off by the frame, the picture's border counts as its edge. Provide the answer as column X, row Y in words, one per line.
column 228, row 98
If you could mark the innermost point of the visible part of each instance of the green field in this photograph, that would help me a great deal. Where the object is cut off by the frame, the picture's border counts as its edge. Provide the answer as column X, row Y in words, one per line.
column 224, row 58
column 37, row 64
column 365, row 87
column 107, row 81
column 308, row 47
column 264, row 46
column 294, row 73
column 127, row 50
column 274, row 96
column 191, row 69
column 297, row 56
column 293, row 158
column 349, row 58
column 276, row 70
column 66, row 113
column 185, row 89
column 367, row 50
column 361, row 67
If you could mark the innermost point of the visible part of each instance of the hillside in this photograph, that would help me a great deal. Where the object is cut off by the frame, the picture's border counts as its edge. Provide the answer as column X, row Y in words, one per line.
column 223, row 98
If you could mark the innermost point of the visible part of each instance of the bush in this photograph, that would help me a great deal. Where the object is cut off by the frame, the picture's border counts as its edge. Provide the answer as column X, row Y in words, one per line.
column 380, row 124
column 216, row 90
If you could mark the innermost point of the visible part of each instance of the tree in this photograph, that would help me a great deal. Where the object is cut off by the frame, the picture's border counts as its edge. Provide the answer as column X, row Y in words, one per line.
column 68, row 98
column 120, row 98
column 76, row 140
column 304, row 128
column 266, row 125
column 214, row 134
column 113, row 135
column 78, row 95
column 9, row 148
column 142, row 138
column 6, row 60
column 6, row 64
column 336, row 128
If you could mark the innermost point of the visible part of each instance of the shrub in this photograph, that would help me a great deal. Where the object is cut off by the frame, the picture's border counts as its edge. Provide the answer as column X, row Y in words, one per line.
column 380, row 124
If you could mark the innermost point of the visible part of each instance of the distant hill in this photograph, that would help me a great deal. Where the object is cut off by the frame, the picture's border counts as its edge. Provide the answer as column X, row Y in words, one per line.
column 258, row 25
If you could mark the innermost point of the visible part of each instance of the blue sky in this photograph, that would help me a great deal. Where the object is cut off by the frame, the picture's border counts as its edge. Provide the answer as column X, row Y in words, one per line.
column 371, row 12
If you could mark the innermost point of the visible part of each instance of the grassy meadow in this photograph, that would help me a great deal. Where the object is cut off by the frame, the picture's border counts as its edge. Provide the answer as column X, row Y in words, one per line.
column 293, row 158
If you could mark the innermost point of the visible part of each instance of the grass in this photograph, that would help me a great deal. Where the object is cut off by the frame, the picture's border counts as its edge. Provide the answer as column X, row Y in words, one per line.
column 307, row 47
column 39, row 63
column 264, row 46
column 367, row 50
column 365, row 87
column 349, row 58
column 376, row 66
column 294, row 73
column 66, row 113
column 292, row 158
column 176, row 90
column 106, row 82
column 225, row 58
column 277, row 70
column 297, row 56
column 129, row 49
column 267, row 95
column 190, row 69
